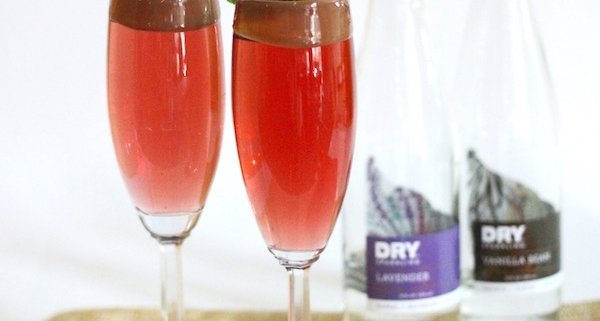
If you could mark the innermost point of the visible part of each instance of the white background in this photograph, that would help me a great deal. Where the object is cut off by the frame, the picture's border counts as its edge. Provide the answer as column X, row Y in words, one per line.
column 69, row 238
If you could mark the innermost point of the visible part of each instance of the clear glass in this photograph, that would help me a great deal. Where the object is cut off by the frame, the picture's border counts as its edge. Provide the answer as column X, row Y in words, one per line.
column 403, row 187
column 294, row 119
column 506, row 116
column 166, row 97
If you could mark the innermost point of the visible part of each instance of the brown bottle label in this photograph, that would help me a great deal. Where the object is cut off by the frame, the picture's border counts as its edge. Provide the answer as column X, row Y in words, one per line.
column 516, row 233
column 521, row 251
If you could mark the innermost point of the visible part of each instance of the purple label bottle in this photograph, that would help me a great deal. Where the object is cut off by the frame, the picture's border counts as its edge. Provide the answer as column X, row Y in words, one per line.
column 400, row 213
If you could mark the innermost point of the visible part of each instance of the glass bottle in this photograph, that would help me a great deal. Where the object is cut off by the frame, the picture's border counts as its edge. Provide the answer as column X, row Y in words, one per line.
column 505, row 111
column 400, row 214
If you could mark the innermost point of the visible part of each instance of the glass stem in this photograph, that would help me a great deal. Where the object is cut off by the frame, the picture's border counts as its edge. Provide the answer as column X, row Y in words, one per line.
column 171, row 282
column 299, row 305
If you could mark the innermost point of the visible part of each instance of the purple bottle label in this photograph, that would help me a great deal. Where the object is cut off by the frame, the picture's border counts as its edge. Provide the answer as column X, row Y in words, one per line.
column 413, row 267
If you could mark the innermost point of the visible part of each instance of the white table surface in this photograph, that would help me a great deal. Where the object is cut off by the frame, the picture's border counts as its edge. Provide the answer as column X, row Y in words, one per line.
column 69, row 238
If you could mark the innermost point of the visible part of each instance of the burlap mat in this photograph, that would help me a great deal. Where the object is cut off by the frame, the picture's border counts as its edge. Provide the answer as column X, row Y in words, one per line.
column 154, row 315
column 575, row 312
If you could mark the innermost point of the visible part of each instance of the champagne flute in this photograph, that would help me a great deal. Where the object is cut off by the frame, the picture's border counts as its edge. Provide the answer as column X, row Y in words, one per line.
column 293, row 109
column 166, row 96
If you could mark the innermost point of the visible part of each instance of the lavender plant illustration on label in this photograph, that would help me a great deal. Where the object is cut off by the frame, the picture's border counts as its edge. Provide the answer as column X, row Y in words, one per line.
column 515, row 232
column 412, row 249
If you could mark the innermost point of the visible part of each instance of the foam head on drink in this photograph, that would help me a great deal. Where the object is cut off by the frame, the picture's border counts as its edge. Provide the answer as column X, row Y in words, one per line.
column 161, row 15
column 293, row 23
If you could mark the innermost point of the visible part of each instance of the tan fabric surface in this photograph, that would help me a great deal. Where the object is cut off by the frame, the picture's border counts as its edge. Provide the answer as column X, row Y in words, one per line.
column 154, row 315
column 576, row 312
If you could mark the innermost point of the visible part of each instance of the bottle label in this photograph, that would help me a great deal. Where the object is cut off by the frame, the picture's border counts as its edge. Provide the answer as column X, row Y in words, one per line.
column 523, row 251
column 414, row 267
column 412, row 249
column 516, row 235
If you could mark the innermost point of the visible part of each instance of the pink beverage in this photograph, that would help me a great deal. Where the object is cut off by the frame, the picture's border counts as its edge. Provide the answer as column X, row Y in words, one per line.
column 166, row 95
column 294, row 120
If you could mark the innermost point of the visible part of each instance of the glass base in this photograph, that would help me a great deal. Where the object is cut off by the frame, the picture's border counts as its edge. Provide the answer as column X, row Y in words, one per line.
column 540, row 302
column 170, row 227
column 296, row 259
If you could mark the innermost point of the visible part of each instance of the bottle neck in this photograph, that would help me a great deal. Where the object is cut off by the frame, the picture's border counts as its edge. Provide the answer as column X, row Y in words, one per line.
column 501, row 11
column 397, row 73
column 396, row 32
column 505, row 27
column 399, row 19
column 396, row 11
